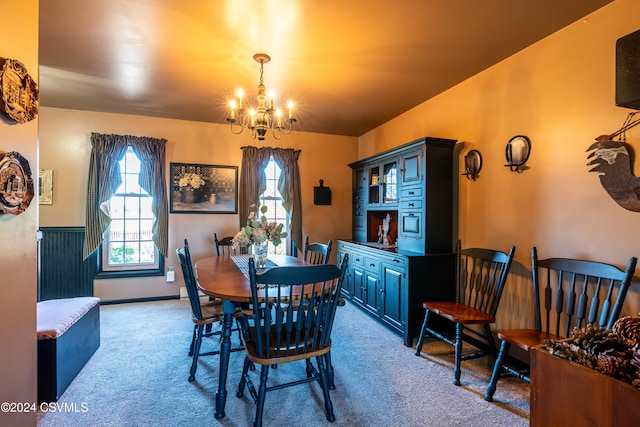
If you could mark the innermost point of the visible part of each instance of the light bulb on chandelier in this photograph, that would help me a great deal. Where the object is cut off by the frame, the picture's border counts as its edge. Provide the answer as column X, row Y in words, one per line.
column 261, row 118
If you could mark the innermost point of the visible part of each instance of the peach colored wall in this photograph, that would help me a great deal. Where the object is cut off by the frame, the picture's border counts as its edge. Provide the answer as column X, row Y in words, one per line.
column 18, row 244
column 559, row 92
column 65, row 148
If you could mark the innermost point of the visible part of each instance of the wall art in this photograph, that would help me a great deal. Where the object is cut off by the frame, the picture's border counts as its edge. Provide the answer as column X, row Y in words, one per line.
column 18, row 91
column 198, row 188
column 16, row 184
column 45, row 187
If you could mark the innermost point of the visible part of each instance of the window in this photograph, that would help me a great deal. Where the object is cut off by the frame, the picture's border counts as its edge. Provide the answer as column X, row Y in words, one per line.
column 272, row 199
column 128, row 241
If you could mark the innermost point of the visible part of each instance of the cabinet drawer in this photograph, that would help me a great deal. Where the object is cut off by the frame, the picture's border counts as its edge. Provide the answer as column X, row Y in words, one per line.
column 411, row 204
column 359, row 198
column 356, row 259
column 410, row 192
column 372, row 264
column 398, row 261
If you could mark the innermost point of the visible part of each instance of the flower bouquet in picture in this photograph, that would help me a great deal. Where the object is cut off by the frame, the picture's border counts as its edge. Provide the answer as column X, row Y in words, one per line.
column 191, row 186
column 258, row 233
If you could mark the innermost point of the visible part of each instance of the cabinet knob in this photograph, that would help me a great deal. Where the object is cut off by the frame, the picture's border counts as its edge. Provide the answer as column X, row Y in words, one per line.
column 411, row 204
column 396, row 260
column 382, row 291
column 372, row 265
column 411, row 193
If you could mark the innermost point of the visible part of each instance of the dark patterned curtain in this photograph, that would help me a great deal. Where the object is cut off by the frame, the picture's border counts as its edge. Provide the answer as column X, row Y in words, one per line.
column 105, row 178
column 253, row 183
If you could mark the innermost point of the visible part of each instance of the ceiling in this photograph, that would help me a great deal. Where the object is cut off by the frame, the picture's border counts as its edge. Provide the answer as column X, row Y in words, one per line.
column 349, row 65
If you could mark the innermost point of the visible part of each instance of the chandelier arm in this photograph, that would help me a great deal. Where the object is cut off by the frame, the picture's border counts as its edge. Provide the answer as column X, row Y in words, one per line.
column 239, row 131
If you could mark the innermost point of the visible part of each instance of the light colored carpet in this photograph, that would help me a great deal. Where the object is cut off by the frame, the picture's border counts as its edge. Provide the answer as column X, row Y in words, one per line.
column 138, row 377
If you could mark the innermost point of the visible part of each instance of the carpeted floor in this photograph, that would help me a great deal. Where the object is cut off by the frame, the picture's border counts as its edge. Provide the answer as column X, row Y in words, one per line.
column 138, row 377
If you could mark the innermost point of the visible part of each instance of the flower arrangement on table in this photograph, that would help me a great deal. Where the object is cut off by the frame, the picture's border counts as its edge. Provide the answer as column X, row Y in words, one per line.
column 192, row 179
column 259, row 232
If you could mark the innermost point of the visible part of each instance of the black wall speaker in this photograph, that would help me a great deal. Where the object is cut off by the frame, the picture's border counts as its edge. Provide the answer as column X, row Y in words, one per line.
column 628, row 71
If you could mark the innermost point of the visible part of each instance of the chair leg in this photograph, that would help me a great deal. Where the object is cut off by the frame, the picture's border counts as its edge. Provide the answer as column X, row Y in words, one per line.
column 193, row 340
column 196, row 351
column 327, row 358
column 423, row 333
column 262, row 391
column 497, row 371
column 324, row 382
column 458, row 354
column 243, row 377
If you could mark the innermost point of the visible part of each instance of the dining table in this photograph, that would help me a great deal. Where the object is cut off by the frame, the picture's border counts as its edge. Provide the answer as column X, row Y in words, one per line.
column 227, row 277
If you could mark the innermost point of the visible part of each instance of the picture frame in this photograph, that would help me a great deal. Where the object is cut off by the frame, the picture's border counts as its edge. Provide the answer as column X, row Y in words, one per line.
column 45, row 187
column 203, row 189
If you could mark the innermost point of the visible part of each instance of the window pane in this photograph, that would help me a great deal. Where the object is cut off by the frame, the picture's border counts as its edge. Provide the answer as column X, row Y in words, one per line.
column 131, row 184
column 132, row 229
column 131, row 252
column 116, row 206
column 132, row 163
column 146, row 229
column 116, row 253
column 132, row 207
column 146, row 251
column 145, row 207
column 116, row 230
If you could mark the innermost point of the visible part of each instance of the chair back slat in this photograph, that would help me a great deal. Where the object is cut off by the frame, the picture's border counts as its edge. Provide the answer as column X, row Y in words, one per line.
column 224, row 246
column 184, row 256
column 584, row 293
column 316, row 253
column 296, row 308
column 481, row 277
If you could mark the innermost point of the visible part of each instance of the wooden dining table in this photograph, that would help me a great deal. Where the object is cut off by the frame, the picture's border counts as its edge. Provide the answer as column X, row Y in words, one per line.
column 220, row 277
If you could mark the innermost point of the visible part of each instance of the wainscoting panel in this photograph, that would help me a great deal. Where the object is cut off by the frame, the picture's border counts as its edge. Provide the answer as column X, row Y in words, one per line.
column 61, row 271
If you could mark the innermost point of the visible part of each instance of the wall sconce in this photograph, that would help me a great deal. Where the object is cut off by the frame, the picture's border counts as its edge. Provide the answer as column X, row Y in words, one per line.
column 517, row 152
column 472, row 164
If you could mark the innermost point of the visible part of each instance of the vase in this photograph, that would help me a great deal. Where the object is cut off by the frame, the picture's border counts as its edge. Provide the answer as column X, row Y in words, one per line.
column 260, row 252
column 188, row 194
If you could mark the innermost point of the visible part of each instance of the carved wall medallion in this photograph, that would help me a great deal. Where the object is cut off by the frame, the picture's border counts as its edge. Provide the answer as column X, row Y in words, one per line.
column 18, row 91
column 16, row 183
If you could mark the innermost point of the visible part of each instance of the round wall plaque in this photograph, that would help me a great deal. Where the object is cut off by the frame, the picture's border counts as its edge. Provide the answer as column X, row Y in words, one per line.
column 16, row 184
column 18, row 91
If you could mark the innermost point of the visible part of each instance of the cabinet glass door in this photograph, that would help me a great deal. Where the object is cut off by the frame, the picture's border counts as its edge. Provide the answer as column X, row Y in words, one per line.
column 390, row 182
column 374, row 185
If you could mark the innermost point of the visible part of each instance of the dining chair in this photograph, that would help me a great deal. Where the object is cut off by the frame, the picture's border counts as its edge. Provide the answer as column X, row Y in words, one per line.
column 316, row 253
column 480, row 278
column 224, row 246
column 567, row 293
column 293, row 313
column 319, row 253
column 202, row 314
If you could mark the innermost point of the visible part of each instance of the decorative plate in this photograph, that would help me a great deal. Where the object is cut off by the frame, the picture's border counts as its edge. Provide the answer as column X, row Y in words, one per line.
column 16, row 184
column 19, row 93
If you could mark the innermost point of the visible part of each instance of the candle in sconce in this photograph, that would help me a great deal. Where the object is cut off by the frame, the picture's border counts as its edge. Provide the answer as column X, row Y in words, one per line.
column 279, row 118
column 272, row 97
column 240, row 94
column 290, row 110
column 232, row 109
column 253, row 118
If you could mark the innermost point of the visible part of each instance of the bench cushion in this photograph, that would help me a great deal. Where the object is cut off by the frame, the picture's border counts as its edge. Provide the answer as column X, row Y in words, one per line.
column 55, row 316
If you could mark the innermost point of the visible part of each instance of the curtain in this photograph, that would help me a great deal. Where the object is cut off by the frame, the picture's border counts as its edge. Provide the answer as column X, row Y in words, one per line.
column 253, row 183
column 105, row 178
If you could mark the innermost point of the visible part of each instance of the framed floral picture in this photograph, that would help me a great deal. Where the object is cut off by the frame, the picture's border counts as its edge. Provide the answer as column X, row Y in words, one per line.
column 198, row 188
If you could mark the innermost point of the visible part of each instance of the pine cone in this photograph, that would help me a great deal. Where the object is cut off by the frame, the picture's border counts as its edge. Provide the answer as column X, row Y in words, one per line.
column 628, row 328
column 616, row 366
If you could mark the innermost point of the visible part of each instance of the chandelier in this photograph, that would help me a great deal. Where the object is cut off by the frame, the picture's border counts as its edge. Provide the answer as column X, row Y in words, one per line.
column 262, row 118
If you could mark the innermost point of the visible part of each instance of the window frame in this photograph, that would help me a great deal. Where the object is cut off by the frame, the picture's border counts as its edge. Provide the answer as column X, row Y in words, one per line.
column 132, row 270
column 286, row 242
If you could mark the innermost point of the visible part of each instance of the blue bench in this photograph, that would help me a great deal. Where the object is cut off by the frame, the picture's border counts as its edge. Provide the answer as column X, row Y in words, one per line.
column 68, row 335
